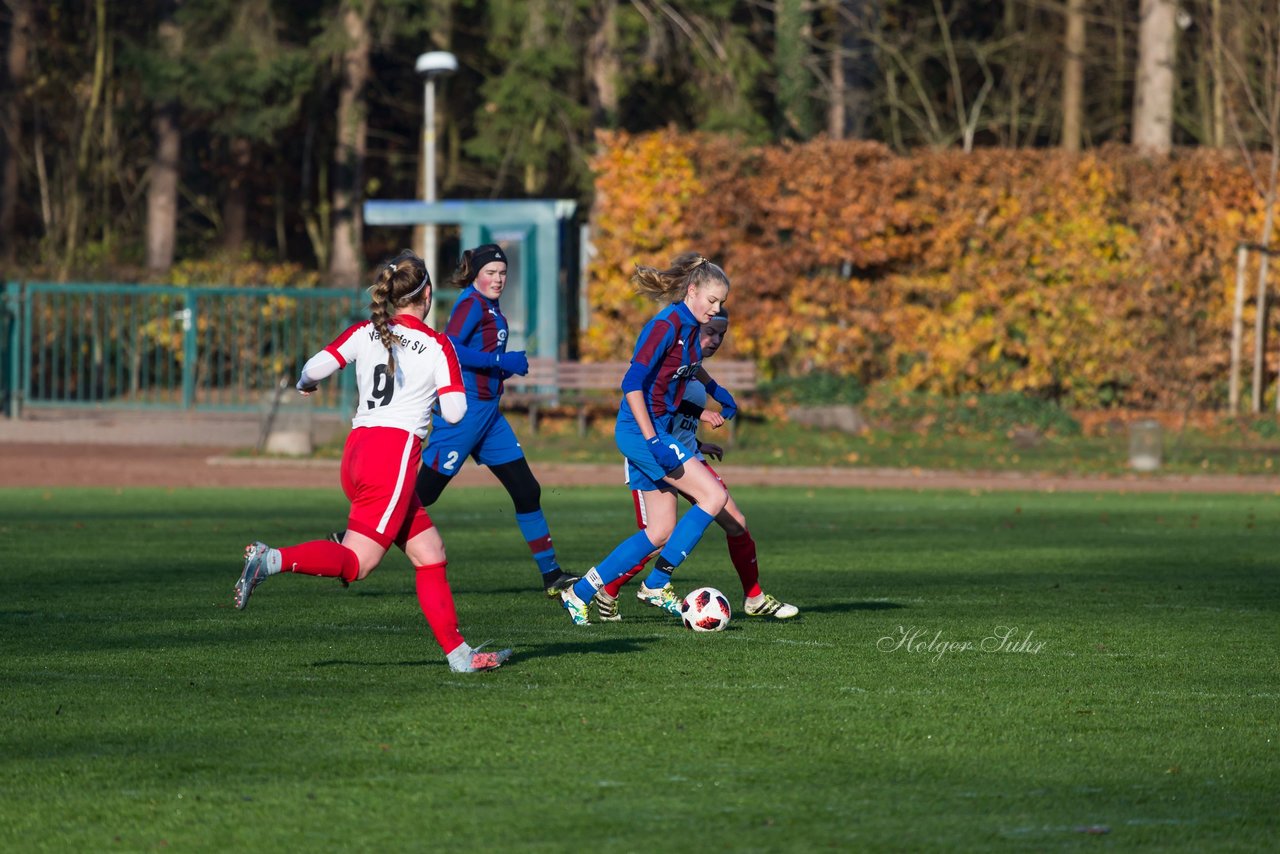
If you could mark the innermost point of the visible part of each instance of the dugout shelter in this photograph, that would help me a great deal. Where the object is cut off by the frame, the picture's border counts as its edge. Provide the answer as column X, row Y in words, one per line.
column 537, row 238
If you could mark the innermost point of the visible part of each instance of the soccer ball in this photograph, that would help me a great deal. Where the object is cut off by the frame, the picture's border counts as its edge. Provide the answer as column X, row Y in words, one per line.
column 705, row 610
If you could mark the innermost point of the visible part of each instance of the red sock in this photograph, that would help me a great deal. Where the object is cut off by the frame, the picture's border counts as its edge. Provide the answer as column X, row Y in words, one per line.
column 614, row 586
column 742, row 551
column 436, row 600
column 321, row 557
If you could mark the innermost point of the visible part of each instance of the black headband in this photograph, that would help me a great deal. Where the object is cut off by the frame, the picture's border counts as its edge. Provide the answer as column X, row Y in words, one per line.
column 486, row 254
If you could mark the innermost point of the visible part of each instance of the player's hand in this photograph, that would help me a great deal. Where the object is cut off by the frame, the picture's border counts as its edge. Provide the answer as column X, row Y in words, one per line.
column 665, row 455
column 306, row 390
column 711, row 449
column 711, row 419
column 516, row 363
column 728, row 406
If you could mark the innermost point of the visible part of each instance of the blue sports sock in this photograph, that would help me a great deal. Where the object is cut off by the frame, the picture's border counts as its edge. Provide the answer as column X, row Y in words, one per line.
column 685, row 536
column 627, row 554
column 533, row 527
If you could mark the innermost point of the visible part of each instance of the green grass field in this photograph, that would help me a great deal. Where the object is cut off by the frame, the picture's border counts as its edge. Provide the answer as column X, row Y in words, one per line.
column 1136, row 709
column 1226, row 451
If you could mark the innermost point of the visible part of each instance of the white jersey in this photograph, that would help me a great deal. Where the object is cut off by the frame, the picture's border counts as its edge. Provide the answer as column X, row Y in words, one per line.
column 426, row 368
column 684, row 423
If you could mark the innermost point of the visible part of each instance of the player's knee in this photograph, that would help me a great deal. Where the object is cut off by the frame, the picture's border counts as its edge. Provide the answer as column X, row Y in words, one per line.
column 735, row 525
column 425, row 555
column 429, row 485
column 526, row 495
column 717, row 500
column 521, row 485
column 659, row 532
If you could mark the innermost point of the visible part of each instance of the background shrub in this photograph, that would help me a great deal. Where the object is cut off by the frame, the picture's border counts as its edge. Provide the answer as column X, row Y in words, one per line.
column 1095, row 280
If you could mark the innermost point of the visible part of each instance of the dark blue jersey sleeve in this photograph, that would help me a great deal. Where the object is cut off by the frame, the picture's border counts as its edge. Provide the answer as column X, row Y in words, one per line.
column 469, row 357
column 463, row 323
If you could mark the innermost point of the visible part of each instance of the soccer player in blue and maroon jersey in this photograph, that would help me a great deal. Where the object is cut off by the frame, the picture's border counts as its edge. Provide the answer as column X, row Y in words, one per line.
column 742, row 547
column 667, row 354
column 478, row 331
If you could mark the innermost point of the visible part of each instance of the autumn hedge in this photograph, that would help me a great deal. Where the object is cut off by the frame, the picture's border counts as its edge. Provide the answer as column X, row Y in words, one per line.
column 1098, row 279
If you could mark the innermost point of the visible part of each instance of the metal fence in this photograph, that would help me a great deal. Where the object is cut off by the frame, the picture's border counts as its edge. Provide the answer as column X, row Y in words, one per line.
column 165, row 347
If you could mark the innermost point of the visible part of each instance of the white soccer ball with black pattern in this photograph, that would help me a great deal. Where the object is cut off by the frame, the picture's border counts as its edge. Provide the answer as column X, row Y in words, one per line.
column 705, row 610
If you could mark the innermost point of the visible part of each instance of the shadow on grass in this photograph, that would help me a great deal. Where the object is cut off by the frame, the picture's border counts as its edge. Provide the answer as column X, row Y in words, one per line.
column 843, row 607
column 505, row 591
column 617, row 646
column 524, row 652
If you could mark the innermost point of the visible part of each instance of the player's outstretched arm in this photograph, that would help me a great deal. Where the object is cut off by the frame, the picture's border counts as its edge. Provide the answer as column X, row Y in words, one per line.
column 317, row 368
column 711, row 418
column 728, row 406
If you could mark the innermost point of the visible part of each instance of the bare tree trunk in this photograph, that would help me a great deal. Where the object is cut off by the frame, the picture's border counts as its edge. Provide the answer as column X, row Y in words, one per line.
column 850, row 27
column 16, row 54
column 604, row 67
column 162, row 189
column 1237, row 330
column 1153, row 89
column 1073, row 78
column 791, row 53
column 162, row 186
column 837, row 112
column 235, row 208
column 837, row 106
column 1260, row 320
column 1273, row 137
column 1217, row 78
column 1257, row 96
column 78, row 187
column 353, row 126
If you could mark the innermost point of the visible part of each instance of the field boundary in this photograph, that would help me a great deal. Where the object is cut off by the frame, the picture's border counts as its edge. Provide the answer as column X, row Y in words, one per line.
column 63, row 464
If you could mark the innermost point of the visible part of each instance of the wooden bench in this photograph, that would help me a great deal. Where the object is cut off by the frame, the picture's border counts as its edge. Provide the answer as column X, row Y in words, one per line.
column 592, row 385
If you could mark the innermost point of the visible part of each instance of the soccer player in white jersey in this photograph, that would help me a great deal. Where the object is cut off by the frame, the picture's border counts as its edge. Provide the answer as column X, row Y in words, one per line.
column 403, row 367
column 742, row 548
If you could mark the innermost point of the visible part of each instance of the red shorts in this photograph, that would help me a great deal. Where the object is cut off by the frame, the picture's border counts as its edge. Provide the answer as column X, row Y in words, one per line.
column 379, row 470
column 641, row 522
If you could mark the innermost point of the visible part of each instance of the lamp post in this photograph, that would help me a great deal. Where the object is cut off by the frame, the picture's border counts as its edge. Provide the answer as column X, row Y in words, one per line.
column 436, row 63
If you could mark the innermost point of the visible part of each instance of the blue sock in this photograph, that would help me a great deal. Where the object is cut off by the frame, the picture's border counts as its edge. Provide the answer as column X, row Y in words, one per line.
column 685, row 536
column 627, row 554
column 533, row 527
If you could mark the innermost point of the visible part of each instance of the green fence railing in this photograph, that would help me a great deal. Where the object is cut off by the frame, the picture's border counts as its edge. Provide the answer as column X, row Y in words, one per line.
column 165, row 347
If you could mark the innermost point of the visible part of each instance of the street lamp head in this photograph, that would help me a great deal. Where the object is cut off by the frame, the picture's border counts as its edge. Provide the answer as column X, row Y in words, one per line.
column 436, row 63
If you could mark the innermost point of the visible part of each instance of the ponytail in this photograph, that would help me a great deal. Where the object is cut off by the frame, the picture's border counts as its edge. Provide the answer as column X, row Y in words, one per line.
column 671, row 285
column 400, row 282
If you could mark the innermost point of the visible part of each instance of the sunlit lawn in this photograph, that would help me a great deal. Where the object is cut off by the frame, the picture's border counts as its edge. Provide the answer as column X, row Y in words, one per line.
column 777, row 442
column 971, row 672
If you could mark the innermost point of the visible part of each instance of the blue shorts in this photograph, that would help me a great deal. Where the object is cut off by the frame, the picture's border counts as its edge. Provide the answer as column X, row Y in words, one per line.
column 483, row 434
column 643, row 471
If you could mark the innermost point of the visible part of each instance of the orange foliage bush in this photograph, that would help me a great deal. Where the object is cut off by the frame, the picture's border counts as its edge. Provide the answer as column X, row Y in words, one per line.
column 1102, row 279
